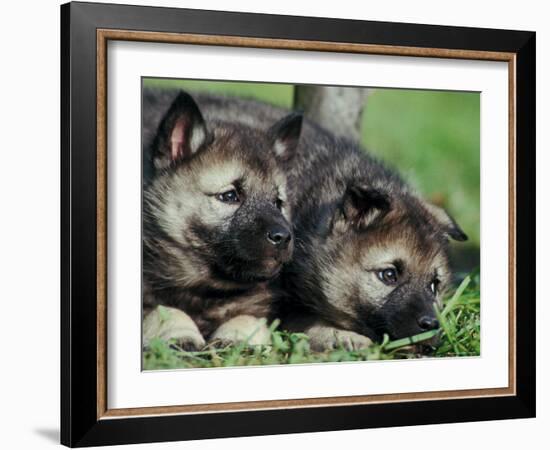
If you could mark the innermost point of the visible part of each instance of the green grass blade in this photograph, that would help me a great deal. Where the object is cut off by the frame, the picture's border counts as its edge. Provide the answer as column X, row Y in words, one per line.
column 411, row 340
column 456, row 296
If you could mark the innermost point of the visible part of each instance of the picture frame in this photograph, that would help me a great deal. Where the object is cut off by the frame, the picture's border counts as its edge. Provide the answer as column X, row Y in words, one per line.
column 86, row 29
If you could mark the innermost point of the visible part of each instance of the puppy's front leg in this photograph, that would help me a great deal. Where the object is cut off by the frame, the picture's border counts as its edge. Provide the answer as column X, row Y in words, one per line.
column 171, row 323
column 252, row 330
column 324, row 337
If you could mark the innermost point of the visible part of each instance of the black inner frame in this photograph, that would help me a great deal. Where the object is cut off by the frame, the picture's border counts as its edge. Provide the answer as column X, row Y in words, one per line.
column 79, row 424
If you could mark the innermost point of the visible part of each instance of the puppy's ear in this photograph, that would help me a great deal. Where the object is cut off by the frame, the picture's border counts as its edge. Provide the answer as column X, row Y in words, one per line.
column 447, row 223
column 285, row 135
column 182, row 132
column 362, row 205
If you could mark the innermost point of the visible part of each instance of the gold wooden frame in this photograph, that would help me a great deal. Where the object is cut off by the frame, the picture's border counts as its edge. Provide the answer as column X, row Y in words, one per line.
column 104, row 35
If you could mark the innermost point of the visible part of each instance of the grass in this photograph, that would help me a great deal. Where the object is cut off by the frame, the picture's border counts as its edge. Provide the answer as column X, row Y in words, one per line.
column 459, row 336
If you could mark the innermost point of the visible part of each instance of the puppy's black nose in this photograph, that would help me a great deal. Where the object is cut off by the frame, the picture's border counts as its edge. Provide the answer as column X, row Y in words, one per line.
column 428, row 323
column 279, row 236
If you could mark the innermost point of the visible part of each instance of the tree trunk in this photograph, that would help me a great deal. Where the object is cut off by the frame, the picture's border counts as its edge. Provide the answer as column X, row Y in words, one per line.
column 338, row 109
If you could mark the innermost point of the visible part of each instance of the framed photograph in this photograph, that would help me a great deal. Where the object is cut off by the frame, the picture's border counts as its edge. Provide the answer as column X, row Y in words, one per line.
column 277, row 224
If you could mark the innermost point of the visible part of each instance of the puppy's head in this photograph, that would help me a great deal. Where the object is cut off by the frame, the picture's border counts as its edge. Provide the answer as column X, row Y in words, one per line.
column 388, row 266
column 219, row 193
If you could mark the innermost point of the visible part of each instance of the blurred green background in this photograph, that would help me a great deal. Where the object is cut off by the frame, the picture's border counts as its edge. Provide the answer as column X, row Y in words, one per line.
column 431, row 137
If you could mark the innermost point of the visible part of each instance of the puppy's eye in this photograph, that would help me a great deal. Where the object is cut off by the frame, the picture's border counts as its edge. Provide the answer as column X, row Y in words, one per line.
column 228, row 196
column 279, row 203
column 433, row 286
column 388, row 276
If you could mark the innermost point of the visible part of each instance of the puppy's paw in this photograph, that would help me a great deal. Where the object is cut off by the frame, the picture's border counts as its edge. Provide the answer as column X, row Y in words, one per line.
column 327, row 338
column 172, row 324
column 249, row 329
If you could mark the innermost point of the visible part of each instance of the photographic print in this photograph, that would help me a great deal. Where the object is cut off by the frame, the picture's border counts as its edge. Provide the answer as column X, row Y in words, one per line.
column 297, row 224
column 322, row 203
